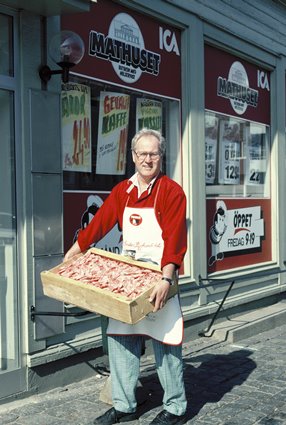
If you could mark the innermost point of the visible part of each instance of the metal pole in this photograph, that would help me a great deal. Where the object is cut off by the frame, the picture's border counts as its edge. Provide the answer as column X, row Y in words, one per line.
column 205, row 331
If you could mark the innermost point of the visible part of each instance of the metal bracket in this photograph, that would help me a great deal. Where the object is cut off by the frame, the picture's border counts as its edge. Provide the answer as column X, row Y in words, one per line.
column 204, row 332
column 55, row 313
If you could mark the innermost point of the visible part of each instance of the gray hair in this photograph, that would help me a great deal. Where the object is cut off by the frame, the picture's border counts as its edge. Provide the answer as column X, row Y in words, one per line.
column 149, row 132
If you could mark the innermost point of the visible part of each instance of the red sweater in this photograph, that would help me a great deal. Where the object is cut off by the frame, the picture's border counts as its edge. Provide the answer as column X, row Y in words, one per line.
column 170, row 213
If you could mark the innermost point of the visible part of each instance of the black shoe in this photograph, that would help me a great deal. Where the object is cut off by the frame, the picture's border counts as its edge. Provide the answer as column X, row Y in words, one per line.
column 167, row 418
column 113, row 416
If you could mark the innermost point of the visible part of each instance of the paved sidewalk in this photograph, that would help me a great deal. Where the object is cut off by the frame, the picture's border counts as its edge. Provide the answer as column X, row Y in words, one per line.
column 227, row 383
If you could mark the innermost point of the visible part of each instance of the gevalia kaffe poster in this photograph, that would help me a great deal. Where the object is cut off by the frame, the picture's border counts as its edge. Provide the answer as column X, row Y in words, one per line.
column 126, row 48
column 112, row 133
column 238, row 229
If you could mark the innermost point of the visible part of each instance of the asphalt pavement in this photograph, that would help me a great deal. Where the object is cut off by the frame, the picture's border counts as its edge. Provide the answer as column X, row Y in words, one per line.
column 241, row 383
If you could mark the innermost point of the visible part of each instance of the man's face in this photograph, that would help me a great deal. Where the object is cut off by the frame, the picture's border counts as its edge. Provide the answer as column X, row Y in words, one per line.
column 150, row 166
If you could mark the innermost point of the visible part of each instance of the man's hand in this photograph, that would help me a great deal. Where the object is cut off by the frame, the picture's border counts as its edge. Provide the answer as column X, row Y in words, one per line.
column 75, row 249
column 159, row 295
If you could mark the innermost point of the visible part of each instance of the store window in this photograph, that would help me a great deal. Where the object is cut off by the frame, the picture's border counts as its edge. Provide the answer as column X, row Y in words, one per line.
column 9, row 333
column 129, row 78
column 98, row 124
column 237, row 162
column 102, row 129
column 236, row 156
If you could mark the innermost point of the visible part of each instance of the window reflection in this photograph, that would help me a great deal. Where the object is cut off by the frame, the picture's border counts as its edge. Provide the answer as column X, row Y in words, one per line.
column 6, row 46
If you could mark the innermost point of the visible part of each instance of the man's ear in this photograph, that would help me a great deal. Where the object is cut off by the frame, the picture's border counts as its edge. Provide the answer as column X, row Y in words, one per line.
column 133, row 157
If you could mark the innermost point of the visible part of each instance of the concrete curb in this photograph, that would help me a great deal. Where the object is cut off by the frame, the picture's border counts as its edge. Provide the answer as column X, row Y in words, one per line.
column 250, row 324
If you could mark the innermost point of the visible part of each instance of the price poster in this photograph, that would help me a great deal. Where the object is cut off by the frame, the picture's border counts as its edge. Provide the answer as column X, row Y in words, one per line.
column 112, row 133
column 229, row 152
column 148, row 114
column 256, row 155
column 76, row 132
column 211, row 135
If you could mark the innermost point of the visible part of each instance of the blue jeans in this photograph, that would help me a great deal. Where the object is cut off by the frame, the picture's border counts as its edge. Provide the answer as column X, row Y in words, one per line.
column 124, row 359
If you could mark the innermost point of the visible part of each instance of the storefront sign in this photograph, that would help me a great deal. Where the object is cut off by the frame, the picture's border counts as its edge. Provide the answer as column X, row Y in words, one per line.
column 76, row 132
column 127, row 48
column 124, row 47
column 236, row 87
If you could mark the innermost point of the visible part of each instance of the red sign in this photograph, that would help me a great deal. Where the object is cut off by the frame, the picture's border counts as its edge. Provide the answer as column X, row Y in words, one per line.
column 79, row 210
column 129, row 49
column 238, row 233
column 236, row 87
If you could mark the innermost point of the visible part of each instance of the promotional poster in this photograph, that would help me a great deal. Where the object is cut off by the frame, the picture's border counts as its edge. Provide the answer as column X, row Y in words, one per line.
column 76, row 127
column 112, row 133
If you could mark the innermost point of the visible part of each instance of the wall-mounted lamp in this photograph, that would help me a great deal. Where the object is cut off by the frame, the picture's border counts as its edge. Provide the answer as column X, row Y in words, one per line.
column 66, row 49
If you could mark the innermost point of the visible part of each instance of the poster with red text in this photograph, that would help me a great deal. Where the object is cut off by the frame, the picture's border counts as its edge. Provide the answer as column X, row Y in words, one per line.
column 112, row 133
column 76, row 132
column 239, row 232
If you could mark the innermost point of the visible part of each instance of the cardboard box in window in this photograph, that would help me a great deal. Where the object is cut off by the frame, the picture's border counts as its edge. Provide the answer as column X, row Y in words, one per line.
column 97, row 300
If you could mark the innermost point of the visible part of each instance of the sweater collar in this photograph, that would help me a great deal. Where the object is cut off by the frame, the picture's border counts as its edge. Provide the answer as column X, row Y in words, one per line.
column 133, row 181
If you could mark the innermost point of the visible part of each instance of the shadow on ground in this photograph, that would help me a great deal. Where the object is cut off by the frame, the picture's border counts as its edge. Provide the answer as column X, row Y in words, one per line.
column 208, row 378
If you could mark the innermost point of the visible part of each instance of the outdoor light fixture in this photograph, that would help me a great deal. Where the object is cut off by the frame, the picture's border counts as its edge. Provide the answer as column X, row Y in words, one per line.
column 66, row 49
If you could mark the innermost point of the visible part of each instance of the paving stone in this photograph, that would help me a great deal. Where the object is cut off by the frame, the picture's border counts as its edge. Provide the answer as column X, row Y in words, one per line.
column 226, row 384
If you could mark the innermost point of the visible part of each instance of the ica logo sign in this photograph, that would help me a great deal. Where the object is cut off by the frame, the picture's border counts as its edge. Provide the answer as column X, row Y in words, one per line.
column 168, row 41
column 262, row 80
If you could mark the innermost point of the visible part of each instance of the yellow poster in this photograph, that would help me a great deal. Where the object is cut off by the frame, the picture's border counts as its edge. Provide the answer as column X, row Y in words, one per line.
column 76, row 132
column 112, row 133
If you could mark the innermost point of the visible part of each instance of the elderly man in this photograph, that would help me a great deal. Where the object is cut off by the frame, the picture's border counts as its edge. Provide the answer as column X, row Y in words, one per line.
column 150, row 208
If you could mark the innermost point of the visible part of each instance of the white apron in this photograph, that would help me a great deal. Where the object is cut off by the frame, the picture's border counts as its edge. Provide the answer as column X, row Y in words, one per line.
column 142, row 234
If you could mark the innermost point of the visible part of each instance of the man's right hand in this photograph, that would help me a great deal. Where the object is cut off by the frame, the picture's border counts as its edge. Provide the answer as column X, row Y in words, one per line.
column 74, row 250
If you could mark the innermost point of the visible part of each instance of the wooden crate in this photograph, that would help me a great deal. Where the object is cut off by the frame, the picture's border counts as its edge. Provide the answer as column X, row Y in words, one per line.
column 98, row 300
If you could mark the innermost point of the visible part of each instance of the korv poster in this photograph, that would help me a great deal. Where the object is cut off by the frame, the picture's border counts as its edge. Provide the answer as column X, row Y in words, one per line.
column 239, row 232
column 148, row 114
column 76, row 131
column 229, row 152
column 112, row 133
column 211, row 135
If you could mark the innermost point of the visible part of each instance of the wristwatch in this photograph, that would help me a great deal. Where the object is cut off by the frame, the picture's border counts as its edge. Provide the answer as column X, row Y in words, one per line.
column 167, row 279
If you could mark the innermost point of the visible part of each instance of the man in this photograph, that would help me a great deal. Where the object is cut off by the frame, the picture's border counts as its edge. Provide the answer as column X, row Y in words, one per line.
column 150, row 208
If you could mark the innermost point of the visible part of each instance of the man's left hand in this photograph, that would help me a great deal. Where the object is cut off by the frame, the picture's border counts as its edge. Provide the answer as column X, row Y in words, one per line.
column 159, row 295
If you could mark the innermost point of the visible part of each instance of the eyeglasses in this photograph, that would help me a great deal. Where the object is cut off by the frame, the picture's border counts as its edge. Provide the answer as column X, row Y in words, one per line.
column 154, row 156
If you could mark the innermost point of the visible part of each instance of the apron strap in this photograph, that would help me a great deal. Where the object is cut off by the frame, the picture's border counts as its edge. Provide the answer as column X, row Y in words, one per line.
column 155, row 202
